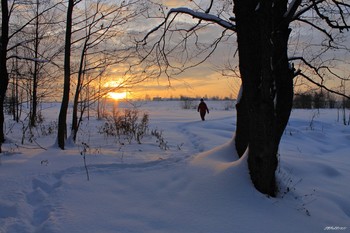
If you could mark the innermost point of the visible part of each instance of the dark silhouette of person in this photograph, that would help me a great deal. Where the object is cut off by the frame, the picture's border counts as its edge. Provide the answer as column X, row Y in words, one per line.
column 202, row 109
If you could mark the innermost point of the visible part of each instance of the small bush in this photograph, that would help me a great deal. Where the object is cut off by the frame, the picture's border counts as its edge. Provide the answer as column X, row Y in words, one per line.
column 229, row 105
column 126, row 125
column 48, row 129
column 142, row 128
column 187, row 103
column 160, row 139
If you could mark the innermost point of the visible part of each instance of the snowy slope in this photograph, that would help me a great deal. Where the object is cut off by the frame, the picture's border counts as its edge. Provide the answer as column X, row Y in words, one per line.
column 196, row 185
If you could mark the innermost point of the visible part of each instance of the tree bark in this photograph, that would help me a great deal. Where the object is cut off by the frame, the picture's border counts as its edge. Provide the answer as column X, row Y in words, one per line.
column 79, row 87
column 62, row 118
column 267, row 87
column 34, row 99
column 242, row 129
column 4, row 77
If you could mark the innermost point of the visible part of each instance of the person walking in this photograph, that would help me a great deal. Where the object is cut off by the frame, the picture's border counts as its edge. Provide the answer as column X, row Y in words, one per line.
column 202, row 109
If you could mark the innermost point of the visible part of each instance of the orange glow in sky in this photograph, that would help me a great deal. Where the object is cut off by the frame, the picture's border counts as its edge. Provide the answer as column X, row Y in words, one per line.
column 117, row 95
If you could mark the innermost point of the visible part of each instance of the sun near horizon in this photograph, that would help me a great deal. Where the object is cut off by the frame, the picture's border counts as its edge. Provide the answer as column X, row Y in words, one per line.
column 117, row 95
column 192, row 84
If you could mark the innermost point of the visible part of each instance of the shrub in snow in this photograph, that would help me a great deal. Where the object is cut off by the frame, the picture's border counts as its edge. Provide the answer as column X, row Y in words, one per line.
column 126, row 125
column 160, row 139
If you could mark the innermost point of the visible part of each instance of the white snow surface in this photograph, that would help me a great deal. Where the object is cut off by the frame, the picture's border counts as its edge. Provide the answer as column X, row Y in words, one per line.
column 197, row 185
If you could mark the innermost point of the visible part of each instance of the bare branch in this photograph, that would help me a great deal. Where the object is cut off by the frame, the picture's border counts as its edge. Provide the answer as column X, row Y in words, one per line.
column 293, row 6
column 305, row 9
column 28, row 59
column 210, row 6
column 318, row 74
column 323, row 86
column 331, row 22
column 198, row 15
column 32, row 19
column 322, row 30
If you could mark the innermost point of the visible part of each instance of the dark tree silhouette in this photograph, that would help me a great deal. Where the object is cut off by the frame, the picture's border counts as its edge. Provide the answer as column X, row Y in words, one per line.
column 4, row 76
column 62, row 118
column 263, row 31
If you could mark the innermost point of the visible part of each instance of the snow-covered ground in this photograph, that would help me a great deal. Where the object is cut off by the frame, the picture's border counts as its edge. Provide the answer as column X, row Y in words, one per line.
column 196, row 185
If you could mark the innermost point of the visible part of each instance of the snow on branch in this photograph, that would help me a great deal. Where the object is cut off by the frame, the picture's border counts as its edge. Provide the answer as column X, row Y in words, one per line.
column 29, row 59
column 204, row 16
column 198, row 15
column 293, row 6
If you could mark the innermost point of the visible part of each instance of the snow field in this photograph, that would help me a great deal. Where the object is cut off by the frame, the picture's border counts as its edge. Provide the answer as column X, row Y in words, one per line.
column 197, row 185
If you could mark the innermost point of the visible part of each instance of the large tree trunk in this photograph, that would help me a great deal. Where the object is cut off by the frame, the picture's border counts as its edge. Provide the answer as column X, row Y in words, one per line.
column 62, row 118
column 242, row 129
column 267, row 87
column 4, row 77
column 249, row 65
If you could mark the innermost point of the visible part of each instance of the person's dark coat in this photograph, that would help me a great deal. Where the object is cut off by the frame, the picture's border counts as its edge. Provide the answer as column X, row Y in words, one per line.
column 202, row 109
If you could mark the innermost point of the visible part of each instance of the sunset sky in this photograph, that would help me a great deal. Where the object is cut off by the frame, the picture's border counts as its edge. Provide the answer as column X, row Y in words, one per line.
column 206, row 79
column 199, row 82
column 203, row 80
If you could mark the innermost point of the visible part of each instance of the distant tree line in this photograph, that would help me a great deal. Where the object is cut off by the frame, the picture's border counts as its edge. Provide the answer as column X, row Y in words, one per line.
column 206, row 97
column 319, row 99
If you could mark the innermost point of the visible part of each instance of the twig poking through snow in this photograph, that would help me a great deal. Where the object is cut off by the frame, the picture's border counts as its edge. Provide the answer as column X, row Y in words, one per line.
column 83, row 153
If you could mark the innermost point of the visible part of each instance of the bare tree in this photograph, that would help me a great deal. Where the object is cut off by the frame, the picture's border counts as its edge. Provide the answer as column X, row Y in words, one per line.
column 43, row 49
column 62, row 118
column 12, row 40
column 263, row 30
column 95, row 31
column 103, row 23
column 15, row 107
